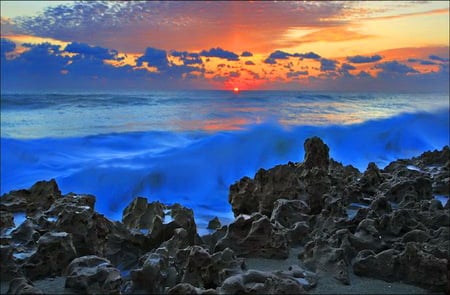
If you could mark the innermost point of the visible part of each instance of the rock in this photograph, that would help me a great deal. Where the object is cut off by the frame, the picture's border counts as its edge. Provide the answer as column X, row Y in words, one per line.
column 412, row 265
column 298, row 233
column 381, row 206
column 22, row 285
column 201, row 269
column 415, row 235
column 140, row 214
column 8, row 269
column 255, row 236
column 259, row 282
column 26, row 233
column 214, row 223
column 6, row 220
column 39, row 197
column 367, row 236
column 93, row 275
column 185, row 288
column 371, row 179
column 410, row 190
column 71, row 202
column 289, row 212
column 316, row 154
column 320, row 255
column 55, row 251
column 155, row 273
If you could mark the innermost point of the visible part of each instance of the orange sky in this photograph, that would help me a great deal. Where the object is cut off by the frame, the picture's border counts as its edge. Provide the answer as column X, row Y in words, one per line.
column 397, row 31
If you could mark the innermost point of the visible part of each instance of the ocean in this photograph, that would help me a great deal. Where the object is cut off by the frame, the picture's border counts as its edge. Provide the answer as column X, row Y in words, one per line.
column 189, row 146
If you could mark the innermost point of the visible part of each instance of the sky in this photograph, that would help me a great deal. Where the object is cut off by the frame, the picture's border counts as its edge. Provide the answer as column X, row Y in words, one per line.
column 255, row 45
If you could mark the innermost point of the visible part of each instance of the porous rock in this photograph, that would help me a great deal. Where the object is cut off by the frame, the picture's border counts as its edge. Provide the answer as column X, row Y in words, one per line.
column 93, row 275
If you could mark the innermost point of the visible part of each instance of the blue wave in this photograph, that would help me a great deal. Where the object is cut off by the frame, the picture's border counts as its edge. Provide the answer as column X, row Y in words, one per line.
column 196, row 168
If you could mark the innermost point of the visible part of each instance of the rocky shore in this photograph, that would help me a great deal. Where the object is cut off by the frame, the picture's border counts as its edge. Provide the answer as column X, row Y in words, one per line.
column 298, row 227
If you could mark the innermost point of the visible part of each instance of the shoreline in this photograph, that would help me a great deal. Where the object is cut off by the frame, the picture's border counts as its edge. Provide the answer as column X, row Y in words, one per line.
column 300, row 214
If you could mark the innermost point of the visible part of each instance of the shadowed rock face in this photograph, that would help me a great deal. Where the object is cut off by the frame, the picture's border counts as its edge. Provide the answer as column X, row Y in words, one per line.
column 316, row 154
column 383, row 223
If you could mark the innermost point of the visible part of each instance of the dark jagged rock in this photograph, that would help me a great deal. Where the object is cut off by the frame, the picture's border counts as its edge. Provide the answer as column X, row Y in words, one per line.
column 93, row 275
column 412, row 265
column 256, row 236
column 6, row 220
column 259, row 282
column 9, row 268
column 39, row 197
column 385, row 221
column 289, row 212
column 185, row 288
column 214, row 223
column 201, row 269
column 22, row 285
column 140, row 214
column 54, row 252
column 316, row 154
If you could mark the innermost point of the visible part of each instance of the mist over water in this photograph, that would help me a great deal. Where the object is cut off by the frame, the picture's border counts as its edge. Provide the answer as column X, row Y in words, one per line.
column 186, row 148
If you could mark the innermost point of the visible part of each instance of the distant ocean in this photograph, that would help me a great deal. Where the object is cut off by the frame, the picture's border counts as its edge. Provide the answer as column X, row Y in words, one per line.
column 189, row 146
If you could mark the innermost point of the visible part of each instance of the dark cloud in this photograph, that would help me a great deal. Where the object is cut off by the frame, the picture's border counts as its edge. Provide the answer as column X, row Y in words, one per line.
column 270, row 61
column 421, row 61
column 188, row 58
column 327, row 65
column 310, row 55
column 278, row 54
column 347, row 67
column 364, row 59
column 220, row 53
column 154, row 57
column 116, row 23
column 246, row 54
column 296, row 74
column 394, row 67
column 234, row 74
column 249, row 63
column 91, row 51
column 438, row 58
column 7, row 45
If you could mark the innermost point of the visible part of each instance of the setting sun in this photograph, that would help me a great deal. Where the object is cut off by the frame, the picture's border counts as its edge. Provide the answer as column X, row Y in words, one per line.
column 236, row 89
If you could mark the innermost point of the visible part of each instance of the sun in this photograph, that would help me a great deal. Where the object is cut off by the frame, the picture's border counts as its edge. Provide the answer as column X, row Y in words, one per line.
column 236, row 89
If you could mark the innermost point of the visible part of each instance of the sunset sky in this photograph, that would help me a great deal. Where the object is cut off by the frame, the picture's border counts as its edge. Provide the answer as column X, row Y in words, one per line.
column 311, row 45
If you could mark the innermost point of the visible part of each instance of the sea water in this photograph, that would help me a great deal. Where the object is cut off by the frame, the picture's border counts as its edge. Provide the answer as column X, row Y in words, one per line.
column 190, row 146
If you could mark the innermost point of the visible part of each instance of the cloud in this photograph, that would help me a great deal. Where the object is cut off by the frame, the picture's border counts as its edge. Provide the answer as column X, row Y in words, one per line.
column 438, row 58
column 364, row 59
column 249, row 63
column 394, row 67
column 220, row 53
column 188, row 58
column 296, row 74
column 91, row 51
column 177, row 24
column 327, row 65
column 270, row 61
column 246, row 54
column 279, row 55
column 421, row 61
column 154, row 57
column 347, row 67
column 310, row 55
column 6, row 46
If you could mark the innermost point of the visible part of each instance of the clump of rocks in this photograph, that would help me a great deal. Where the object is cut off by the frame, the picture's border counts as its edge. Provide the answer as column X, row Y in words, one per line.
column 382, row 223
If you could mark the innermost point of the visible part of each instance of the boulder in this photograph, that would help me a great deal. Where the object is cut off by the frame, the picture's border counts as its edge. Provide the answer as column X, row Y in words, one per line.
column 289, row 212
column 39, row 197
column 93, row 275
column 140, row 214
column 185, row 288
column 259, row 282
column 22, row 285
column 316, row 154
column 214, row 223
column 54, row 252
column 255, row 236
column 6, row 220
